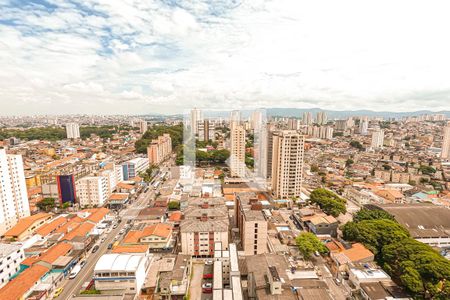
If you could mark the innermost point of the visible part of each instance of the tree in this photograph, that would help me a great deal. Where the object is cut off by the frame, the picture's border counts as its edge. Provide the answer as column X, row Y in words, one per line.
column 357, row 145
column 371, row 214
column 174, row 205
column 46, row 204
column 308, row 243
column 349, row 162
column 374, row 234
column 328, row 201
column 314, row 168
column 427, row 170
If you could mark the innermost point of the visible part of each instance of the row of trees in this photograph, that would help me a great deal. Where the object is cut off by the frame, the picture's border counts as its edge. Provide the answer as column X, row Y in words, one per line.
column 329, row 202
column 175, row 132
column 59, row 133
column 417, row 266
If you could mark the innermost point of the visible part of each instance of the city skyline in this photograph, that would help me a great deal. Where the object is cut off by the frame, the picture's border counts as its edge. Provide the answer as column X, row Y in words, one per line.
column 163, row 57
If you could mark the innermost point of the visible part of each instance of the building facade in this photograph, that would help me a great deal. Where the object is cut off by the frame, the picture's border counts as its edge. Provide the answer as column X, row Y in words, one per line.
column 72, row 131
column 287, row 163
column 93, row 191
column 13, row 191
column 237, row 153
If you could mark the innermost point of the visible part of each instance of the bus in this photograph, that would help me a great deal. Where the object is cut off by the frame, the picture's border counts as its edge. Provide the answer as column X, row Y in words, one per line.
column 75, row 272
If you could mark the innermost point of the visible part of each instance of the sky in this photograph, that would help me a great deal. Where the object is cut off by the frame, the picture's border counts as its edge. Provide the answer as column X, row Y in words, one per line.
column 141, row 57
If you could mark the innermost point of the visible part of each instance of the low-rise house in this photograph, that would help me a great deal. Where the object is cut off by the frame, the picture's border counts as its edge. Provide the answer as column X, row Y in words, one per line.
column 356, row 254
column 157, row 236
column 23, row 285
column 11, row 256
column 26, row 227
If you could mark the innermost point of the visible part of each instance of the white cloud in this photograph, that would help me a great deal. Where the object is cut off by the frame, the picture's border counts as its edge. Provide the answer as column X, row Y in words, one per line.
column 282, row 53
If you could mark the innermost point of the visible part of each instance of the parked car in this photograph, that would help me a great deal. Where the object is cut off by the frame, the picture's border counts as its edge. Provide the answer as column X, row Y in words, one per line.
column 110, row 246
column 208, row 276
column 209, row 262
column 58, row 292
column 82, row 263
column 115, row 225
column 95, row 248
column 207, row 288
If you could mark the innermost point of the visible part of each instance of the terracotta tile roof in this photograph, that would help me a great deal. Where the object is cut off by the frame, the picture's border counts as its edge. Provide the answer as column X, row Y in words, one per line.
column 357, row 252
column 81, row 230
column 51, row 226
column 125, row 186
column 131, row 249
column 175, row 216
column 98, row 214
column 20, row 285
column 30, row 260
column 118, row 196
column 161, row 230
column 69, row 226
column 25, row 223
column 132, row 237
column 55, row 252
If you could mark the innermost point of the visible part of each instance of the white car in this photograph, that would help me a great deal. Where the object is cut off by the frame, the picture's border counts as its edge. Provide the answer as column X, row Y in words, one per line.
column 207, row 285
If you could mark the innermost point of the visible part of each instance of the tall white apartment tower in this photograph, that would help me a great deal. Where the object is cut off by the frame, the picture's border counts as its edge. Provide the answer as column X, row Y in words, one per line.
column 72, row 131
column 377, row 139
column 235, row 117
column 445, row 154
column 196, row 117
column 237, row 152
column 307, row 118
column 143, row 126
column 13, row 191
column 363, row 126
column 287, row 163
column 321, row 118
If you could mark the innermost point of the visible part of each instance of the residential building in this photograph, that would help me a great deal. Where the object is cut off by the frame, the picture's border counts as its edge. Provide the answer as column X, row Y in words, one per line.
column 11, row 256
column 307, row 118
column 363, row 126
column 133, row 167
column 237, row 153
column 198, row 236
column 321, row 118
column 22, row 286
column 287, row 164
column 13, row 191
column 73, row 131
column 377, row 139
column 159, row 149
column 26, row 227
column 143, row 126
column 196, row 117
column 157, row 236
column 92, row 191
column 445, row 153
column 251, row 223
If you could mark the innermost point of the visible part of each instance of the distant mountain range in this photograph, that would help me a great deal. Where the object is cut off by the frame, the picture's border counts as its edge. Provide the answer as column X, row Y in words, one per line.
column 332, row 114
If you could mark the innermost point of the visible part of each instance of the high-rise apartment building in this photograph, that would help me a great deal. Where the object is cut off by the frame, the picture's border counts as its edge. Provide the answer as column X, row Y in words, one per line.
column 287, row 163
column 445, row 154
column 143, row 126
column 363, row 126
column 92, row 191
column 196, row 117
column 377, row 139
column 321, row 118
column 235, row 117
column 73, row 131
column 13, row 191
column 237, row 153
column 307, row 118
column 206, row 130
column 159, row 149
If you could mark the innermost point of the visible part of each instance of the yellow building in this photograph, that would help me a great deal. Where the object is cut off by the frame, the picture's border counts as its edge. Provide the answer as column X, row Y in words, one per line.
column 32, row 180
